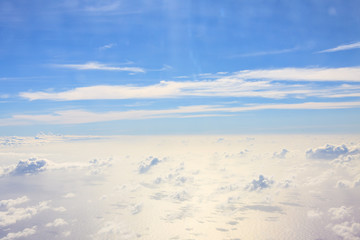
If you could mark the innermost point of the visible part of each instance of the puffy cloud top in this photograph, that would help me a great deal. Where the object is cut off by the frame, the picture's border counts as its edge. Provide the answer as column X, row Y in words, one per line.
column 341, row 212
column 259, row 184
column 147, row 164
column 13, row 202
column 30, row 166
column 281, row 155
column 329, row 152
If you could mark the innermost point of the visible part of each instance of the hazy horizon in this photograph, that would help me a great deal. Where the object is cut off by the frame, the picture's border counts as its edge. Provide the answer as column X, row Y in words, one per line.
column 180, row 119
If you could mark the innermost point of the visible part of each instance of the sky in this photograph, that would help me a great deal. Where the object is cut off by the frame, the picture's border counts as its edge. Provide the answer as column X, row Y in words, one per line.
column 179, row 67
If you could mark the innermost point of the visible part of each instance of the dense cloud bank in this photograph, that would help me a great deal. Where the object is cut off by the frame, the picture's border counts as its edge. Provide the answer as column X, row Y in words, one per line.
column 196, row 187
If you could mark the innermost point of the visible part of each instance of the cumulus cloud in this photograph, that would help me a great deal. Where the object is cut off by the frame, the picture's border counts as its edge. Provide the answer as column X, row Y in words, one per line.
column 57, row 223
column 281, row 155
column 30, row 166
column 348, row 230
column 340, row 212
column 13, row 202
column 13, row 215
column 181, row 196
column 314, row 213
column 135, row 209
column 99, row 166
column 285, row 183
column 114, row 230
column 260, row 184
column 22, row 234
column 69, row 195
column 343, row 184
column 146, row 165
column 330, row 152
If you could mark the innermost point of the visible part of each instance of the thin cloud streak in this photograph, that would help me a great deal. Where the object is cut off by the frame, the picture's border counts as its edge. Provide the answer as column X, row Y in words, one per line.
column 100, row 66
column 104, row 8
column 107, row 46
column 264, row 53
column 268, row 84
column 342, row 48
column 349, row 74
column 82, row 116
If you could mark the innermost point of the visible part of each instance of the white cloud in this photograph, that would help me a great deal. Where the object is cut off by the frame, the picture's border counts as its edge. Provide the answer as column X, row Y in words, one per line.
column 69, row 195
column 348, row 184
column 57, row 223
column 99, row 166
column 81, row 116
column 34, row 166
column 114, row 230
column 264, row 53
column 203, row 182
column 112, row 6
column 107, row 46
column 330, row 152
column 13, row 202
column 342, row 47
column 147, row 164
column 235, row 85
column 260, row 184
column 356, row 183
column 351, row 74
column 340, row 212
column 181, row 196
column 26, row 167
column 13, row 215
column 281, row 155
column 135, row 209
column 348, row 230
column 59, row 209
column 22, row 234
column 314, row 213
column 343, row 184
column 99, row 66
column 30, row 166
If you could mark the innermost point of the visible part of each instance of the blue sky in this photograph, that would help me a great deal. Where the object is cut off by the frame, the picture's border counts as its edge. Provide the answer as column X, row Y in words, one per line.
column 173, row 67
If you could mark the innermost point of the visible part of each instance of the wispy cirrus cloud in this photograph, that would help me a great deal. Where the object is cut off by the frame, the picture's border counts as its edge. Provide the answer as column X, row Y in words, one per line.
column 99, row 66
column 107, row 46
column 83, row 116
column 104, row 7
column 274, row 84
column 264, row 53
column 342, row 48
column 349, row 74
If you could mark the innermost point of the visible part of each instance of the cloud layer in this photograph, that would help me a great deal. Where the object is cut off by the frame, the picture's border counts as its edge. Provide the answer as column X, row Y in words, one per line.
column 205, row 182
column 82, row 116
column 235, row 85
